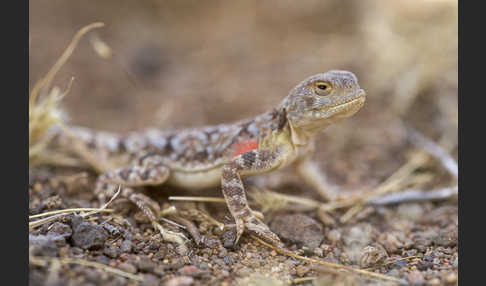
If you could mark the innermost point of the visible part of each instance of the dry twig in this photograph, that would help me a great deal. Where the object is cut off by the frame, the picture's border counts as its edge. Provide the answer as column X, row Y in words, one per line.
column 328, row 264
column 43, row 102
column 42, row 261
column 61, row 213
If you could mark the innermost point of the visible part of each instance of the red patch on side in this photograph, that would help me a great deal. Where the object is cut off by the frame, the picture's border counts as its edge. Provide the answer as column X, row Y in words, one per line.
column 244, row 146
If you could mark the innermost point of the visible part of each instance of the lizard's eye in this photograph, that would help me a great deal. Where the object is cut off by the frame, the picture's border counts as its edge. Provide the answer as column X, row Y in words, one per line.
column 322, row 88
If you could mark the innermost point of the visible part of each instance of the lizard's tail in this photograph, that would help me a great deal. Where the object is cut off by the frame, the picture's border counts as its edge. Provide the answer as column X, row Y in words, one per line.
column 83, row 147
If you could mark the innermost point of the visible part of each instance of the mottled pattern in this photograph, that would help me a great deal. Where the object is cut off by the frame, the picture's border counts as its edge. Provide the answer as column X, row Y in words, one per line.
column 203, row 156
column 256, row 161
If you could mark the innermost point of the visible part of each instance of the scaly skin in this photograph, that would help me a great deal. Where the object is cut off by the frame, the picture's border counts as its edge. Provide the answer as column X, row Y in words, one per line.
column 223, row 154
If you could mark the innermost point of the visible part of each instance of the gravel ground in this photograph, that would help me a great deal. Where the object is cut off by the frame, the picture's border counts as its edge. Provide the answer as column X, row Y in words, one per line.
column 378, row 238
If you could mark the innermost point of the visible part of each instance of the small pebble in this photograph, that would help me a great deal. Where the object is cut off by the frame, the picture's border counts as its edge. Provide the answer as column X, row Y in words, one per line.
column 416, row 278
column 126, row 246
column 318, row 252
column 301, row 270
column 446, row 238
column 451, row 278
column 243, row 272
column 154, row 246
column 150, row 280
column 45, row 245
column 102, row 259
column 145, row 264
column 161, row 253
column 228, row 260
column 229, row 237
column 59, row 228
column 128, row 267
column 434, row 282
column 333, row 236
column 159, row 270
column 209, row 242
column 411, row 211
column 87, row 235
column 299, row 229
column 400, row 263
column 112, row 251
column 189, row 270
column 180, row 281
column 424, row 265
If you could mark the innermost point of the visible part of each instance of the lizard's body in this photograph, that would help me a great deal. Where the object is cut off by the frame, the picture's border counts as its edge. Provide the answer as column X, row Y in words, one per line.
column 195, row 157
column 222, row 154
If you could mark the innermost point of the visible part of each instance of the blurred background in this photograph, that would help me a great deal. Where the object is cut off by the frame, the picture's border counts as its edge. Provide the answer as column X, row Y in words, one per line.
column 191, row 63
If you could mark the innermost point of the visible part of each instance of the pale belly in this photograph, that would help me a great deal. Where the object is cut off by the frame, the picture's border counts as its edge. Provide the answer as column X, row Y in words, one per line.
column 203, row 179
column 196, row 180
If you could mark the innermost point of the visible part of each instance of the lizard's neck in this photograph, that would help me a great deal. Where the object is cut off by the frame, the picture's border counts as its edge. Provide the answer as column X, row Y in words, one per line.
column 277, row 129
column 303, row 135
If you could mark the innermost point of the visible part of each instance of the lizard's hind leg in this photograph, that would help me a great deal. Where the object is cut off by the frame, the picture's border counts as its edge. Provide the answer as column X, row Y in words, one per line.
column 151, row 171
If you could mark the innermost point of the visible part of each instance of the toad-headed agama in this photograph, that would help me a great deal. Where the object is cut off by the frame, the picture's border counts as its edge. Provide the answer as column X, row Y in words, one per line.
column 209, row 156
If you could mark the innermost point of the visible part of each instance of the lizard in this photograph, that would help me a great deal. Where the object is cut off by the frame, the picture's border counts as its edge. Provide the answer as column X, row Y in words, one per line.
column 199, row 158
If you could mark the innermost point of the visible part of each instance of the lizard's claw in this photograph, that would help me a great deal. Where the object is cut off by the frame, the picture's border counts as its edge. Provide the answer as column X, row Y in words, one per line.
column 257, row 227
column 240, row 228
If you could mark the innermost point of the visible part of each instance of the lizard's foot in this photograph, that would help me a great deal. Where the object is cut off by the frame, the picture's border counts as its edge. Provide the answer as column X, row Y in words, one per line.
column 253, row 225
column 170, row 235
column 257, row 214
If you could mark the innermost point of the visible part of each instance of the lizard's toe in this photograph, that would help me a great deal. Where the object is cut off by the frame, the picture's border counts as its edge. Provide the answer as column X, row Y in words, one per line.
column 257, row 227
column 240, row 228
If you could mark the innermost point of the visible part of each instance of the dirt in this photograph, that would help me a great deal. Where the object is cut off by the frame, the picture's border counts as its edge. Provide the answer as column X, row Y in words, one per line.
column 178, row 65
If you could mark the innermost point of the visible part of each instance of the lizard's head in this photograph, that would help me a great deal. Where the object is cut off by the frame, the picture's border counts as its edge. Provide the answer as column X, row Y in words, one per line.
column 321, row 100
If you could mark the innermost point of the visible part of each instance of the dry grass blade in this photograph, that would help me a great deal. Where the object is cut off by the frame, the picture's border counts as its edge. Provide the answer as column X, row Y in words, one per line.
column 272, row 201
column 103, row 207
column 61, row 213
column 43, row 101
column 304, row 279
column 172, row 222
column 42, row 115
column 45, row 82
column 210, row 219
column 100, row 47
column 266, row 199
column 393, row 261
column 392, row 184
column 389, row 185
column 46, row 220
column 330, row 265
column 435, row 150
column 197, row 199
column 42, row 261
column 415, row 196
column 68, row 211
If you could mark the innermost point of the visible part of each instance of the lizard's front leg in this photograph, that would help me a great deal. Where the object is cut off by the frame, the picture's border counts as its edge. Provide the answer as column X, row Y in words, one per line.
column 252, row 162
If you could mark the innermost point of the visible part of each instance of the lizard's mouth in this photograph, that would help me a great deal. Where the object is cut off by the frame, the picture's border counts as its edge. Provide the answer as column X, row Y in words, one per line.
column 347, row 106
column 355, row 102
column 359, row 98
